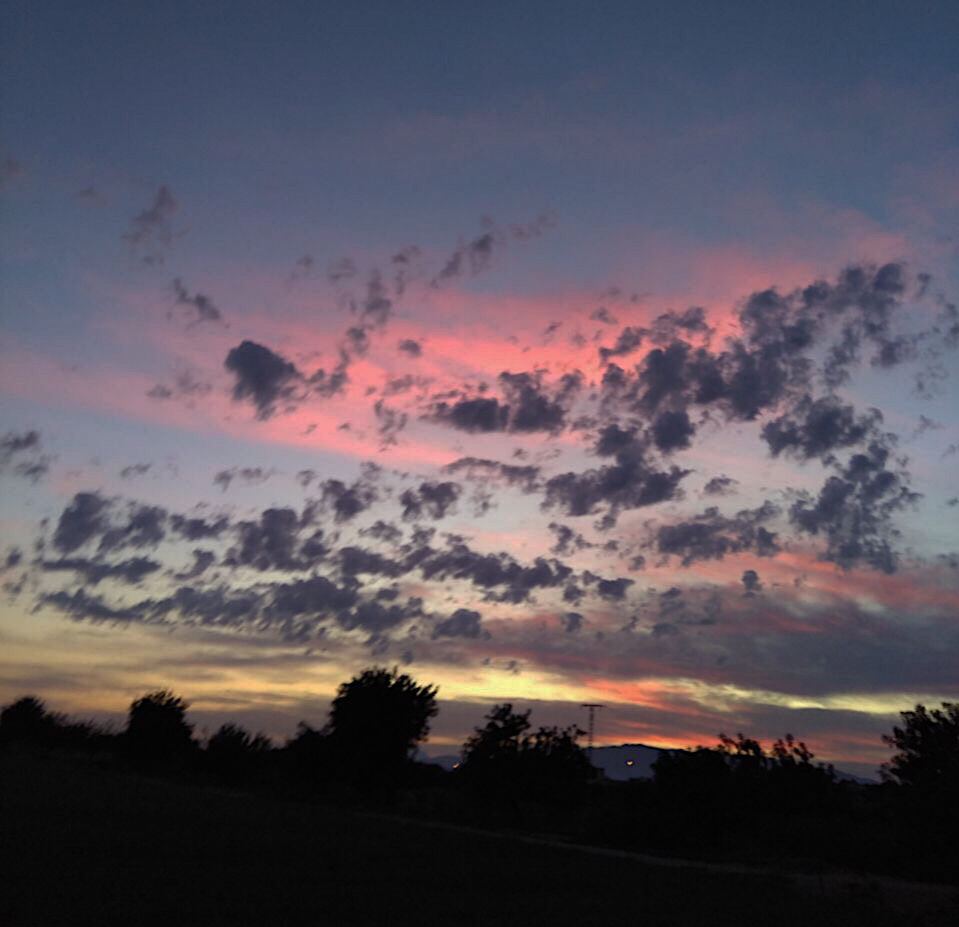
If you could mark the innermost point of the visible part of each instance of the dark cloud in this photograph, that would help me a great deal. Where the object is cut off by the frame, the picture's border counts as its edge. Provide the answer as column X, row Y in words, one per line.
column 720, row 486
column 670, row 325
column 525, row 231
column 462, row 623
column 202, row 561
column 602, row 314
column 572, row 622
column 303, row 267
column 815, row 428
column 398, row 385
column 355, row 561
column 144, row 526
column 33, row 470
column 92, row 572
column 315, row 596
column 614, row 590
column 151, row 231
column 81, row 521
column 404, row 267
column 376, row 618
column 202, row 308
column 525, row 478
column 471, row 258
column 475, row 256
column 199, row 529
column 630, row 338
column 773, row 362
column 263, row 377
column 305, row 477
column 500, row 575
column 383, row 531
column 347, row 502
column 473, row 415
column 711, row 535
column 632, row 482
column 672, row 431
column 271, row 543
column 14, row 447
column 252, row 476
column 81, row 606
column 527, row 406
column 13, row 443
column 357, row 340
column 133, row 470
column 532, row 408
column 926, row 424
column 342, row 269
column 389, row 422
column 568, row 541
column 185, row 386
column 751, row 582
column 377, row 307
column 410, row 347
column 854, row 511
column 217, row 606
column 269, row 380
column 431, row 500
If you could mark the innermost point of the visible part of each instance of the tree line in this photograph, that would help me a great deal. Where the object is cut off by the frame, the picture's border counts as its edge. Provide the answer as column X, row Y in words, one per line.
column 734, row 799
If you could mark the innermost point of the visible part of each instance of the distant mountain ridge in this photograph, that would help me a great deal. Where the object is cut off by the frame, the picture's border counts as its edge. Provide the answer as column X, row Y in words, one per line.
column 627, row 761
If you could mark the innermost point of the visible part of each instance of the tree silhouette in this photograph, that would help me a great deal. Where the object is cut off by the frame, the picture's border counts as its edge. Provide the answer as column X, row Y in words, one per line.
column 309, row 754
column 697, row 776
column 25, row 720
column 928, row 749
column 499, row 740
column 502, row 759
column 376, row 721
column 157, row 733
column 233, row 753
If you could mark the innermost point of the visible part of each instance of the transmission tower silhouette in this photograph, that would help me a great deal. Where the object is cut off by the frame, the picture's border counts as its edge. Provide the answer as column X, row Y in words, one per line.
column 592, row 708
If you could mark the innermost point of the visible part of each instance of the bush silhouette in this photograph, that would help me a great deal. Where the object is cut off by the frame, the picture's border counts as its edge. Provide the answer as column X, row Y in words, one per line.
column 158, row 734
column 927, row 747
column 308, row 755
column 503, row 760
column 740, row 777
column 25, row 720
column 376, row 721
column 232, row 753
column 699, row 776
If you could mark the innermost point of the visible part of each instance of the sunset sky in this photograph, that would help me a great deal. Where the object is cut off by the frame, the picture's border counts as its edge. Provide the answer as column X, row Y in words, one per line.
column 553, row 352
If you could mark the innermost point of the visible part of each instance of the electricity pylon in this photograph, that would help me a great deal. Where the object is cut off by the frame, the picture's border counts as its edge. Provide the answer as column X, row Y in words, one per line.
column 592, row 707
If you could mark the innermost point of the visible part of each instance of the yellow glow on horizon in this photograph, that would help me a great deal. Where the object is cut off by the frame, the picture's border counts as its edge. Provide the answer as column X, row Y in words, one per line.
column 80, row 667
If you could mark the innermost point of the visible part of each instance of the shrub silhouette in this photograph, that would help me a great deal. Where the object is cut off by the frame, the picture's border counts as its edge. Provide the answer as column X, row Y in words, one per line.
column 158, row 734
column 503, row 760
column 740, row 775
column 700, row 776
column 26, row 720
column 232, row 753
column 928, row 749
column 376, row 721
column 308, row 755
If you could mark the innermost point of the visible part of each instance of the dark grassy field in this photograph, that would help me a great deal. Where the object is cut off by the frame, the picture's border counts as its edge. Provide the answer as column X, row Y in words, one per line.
column 82, row 845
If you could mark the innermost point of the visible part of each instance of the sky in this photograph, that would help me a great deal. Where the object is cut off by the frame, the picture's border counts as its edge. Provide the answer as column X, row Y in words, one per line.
column 551, row 352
